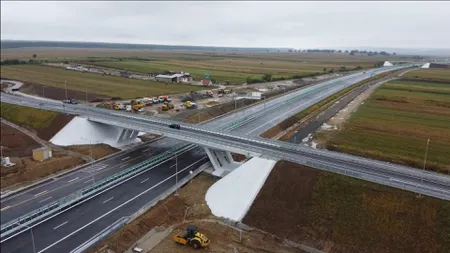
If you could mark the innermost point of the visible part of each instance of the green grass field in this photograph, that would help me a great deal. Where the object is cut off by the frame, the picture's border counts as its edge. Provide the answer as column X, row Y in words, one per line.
column 440, row 75
column 395, row 123
column 232, row 69
column 27, row 116
column 93, row 83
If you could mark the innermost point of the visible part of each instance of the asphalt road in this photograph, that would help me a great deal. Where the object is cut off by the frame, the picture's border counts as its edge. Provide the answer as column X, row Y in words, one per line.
column 38, row 196
column 22, row 242
column 68, row 230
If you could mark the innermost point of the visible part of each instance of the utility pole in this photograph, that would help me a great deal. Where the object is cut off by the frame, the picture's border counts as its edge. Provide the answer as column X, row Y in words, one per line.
column 65, row 85
column 426, row 156
column 176, row 174
column 87, row 101
column 425, row 161
column 43, row 92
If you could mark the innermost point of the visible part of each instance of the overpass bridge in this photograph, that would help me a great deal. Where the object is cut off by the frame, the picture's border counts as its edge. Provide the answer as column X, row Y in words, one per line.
column 216, row 136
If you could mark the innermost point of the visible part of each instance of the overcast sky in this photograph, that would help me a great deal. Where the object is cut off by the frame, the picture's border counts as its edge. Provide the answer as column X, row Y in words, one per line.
column 237, row 24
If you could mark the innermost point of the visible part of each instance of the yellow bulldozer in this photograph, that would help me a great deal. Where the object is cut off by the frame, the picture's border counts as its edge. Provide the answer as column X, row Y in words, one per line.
column 167, row 106
column 191, row 236
column 190, row 105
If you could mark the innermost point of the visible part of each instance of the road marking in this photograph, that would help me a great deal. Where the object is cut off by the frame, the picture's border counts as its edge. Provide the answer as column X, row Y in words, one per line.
column 114, row 209
column 63, row 186
column 70, row 181
column 45, row 199
column 145, row 180
column 4, row 208
column 89, row 180
column 145, row 150
column 125, row 158
column 60, row 225
column 108, row 200
column 40, row 193
column 124, row 165
column 172, row 166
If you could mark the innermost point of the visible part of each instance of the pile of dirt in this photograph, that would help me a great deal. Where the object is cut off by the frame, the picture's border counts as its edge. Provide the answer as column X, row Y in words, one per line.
column 334, row 213
column 16, row 143
column 59, row 93
column 188, row 205
column 28, row 170
column 226, row 239
column 98, row 150
column 57, row 124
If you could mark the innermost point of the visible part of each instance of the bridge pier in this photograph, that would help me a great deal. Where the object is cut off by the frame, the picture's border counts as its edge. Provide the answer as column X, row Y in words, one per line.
column 125, row 135
column 222, row 161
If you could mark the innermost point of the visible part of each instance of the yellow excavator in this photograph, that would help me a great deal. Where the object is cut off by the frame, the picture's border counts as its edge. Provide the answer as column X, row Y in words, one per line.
column 167, row 106
column 191, row 236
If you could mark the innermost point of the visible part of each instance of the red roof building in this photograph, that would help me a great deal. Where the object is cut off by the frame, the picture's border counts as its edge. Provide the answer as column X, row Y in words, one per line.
column 206, row 82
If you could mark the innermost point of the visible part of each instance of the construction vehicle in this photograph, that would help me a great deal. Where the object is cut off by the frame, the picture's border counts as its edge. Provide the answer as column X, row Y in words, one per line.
column 225, row 91
column 191, row 236
column 190, row 105
column 137, row 105
column 167, row 106
column 118, row 106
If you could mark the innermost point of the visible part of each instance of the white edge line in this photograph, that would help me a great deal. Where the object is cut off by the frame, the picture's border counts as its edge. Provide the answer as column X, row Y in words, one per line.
column 45, row 199
column 89, row 180
column 111, row 187
column 70, row 181
column 106, row 201
column 126, row 202
column 40, row 193
column 60, row 225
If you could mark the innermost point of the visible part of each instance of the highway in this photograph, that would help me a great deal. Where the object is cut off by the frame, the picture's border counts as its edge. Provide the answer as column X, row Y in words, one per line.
column 66, row 231
column 434, row 184
column 27, row 201
column 77, row 238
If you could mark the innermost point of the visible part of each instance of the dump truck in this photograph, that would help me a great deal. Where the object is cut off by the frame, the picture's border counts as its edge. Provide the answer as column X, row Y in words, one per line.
column 191, row 236
column 167, row 106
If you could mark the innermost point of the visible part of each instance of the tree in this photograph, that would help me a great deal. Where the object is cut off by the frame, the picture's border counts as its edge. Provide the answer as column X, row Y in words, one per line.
column 324, row 69
column 267, row 77
column 34, row 56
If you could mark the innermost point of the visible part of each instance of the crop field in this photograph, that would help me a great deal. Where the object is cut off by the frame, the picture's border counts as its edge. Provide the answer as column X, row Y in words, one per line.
column 395, row 123
column 234, row 69
column 339, row 214
column 93, row 83
column 439, row 75
column 226, row 66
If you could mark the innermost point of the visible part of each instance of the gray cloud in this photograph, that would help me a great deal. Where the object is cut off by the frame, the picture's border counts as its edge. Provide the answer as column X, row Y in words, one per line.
column 249, row 24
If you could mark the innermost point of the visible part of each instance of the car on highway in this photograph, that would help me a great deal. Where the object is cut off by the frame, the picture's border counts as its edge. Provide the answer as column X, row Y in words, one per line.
column 175, row 126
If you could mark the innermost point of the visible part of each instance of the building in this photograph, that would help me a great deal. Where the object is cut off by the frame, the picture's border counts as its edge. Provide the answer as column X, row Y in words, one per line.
column 42, row 154
column 174, row 78
column 207, row 82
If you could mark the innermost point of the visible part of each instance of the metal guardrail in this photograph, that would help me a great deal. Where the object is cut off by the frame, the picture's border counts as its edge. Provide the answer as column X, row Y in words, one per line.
column 65, row 202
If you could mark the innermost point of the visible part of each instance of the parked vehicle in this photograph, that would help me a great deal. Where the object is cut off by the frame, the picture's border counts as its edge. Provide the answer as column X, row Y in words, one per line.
column 70, row 101
column 155, row 100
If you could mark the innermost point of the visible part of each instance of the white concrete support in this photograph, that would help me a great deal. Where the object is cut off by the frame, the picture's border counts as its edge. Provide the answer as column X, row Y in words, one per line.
column 222, row 161
column 126, row 135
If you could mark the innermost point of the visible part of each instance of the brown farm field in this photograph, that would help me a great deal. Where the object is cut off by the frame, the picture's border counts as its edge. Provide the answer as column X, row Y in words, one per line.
column 395, row 123
column 111, row 86
column 338, row 214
